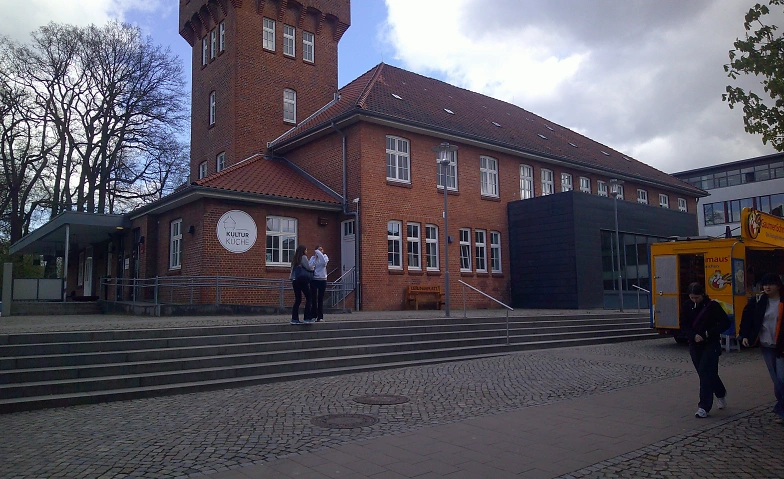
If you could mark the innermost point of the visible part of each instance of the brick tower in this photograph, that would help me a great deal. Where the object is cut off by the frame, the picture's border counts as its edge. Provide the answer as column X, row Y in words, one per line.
column 259, row 67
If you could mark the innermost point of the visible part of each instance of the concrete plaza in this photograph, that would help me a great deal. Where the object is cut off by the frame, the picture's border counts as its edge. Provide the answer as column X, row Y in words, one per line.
column 618, row 410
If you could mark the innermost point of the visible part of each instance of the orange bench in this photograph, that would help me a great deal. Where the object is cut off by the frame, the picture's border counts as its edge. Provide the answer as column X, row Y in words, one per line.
column 424, row 294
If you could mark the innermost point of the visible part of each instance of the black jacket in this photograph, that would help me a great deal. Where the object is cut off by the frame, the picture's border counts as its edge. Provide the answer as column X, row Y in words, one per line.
column 710, row 325
column 751, row 323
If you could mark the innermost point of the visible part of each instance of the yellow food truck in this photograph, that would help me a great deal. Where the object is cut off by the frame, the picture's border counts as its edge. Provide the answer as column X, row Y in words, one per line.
column 729, row 268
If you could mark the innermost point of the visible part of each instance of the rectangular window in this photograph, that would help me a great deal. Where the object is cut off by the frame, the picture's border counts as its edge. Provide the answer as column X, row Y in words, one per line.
column 465, row 249
column 175, row 244
column 213, row 43
column 220, row 161
column 202, row 169
column 281, row 240
column 526, row 182
column 682, row 205
column 288, row 40
column 450, row 170
column 268, row 35
column 566, row 182
column 431, row 247
column 585, row 184
column 488, row 170
column 212, row 108
column 664, row 201
column 398, row 160
column 205, row 51
column 222, row 36
column 289, row 106
column 619, row 190
column 412, row 246
column 480, row 247
column 547, row 182
column 642, row 197
column 495, row 251
column 308, row 47
column 393, row 245
column 601, row 188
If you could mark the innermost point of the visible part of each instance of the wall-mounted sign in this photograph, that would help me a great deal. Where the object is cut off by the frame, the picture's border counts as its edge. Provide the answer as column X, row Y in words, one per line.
column 762, row 227
column 236, row 231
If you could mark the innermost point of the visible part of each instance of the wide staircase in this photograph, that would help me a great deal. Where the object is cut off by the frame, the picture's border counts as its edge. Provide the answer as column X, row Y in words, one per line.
column 39, row 370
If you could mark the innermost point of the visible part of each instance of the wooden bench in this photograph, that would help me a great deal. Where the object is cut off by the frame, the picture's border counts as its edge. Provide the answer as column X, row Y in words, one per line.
column 424, row 294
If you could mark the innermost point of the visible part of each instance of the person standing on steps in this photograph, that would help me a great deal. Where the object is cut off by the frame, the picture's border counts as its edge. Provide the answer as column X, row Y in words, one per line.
column 762, row 324
column 301, row 276
column 703, row 320
column 318, row 286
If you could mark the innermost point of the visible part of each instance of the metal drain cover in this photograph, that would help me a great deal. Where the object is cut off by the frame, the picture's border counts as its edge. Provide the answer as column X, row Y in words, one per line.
column 344, row 421
column 381, row 399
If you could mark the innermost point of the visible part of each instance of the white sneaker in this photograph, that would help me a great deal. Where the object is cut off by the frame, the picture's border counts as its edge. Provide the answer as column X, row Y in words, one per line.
column 721, row 403
column 701, row 413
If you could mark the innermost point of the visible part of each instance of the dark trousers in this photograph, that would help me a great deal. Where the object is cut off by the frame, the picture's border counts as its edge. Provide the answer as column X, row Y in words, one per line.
column 301, row 289
column 706, row 361
column 317, row 289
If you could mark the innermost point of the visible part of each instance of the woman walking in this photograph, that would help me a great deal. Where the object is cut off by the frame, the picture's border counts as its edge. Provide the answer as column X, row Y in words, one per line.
column 704, row 320
column 762, row 324
column 318, row 286
column 301, row 273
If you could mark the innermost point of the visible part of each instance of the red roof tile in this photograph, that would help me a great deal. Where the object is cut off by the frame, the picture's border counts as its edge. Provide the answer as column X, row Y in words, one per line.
column 272, row 177
column 401, row 95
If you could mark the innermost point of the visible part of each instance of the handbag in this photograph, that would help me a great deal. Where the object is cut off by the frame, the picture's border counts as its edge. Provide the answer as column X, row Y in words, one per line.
column 302, row 275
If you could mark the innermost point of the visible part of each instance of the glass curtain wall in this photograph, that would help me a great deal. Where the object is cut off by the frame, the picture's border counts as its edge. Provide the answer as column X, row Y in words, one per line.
column 634, row 267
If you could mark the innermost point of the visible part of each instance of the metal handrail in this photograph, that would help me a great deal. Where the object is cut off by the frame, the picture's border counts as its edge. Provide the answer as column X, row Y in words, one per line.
column 642, row 289
column 508, row 308
column 638, row 296
column 344, row 274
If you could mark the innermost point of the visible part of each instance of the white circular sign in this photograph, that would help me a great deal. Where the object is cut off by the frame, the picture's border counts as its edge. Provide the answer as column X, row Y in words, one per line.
column 236, row 231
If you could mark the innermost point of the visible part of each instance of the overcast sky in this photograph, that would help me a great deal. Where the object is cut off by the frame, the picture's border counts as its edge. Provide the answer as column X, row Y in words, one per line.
column 642, row 76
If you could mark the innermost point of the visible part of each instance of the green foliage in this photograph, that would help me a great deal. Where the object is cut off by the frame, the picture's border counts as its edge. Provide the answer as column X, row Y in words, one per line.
column 761, row 53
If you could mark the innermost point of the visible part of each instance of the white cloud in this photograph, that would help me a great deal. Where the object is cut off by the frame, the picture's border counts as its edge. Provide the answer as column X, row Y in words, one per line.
column 18, row 23
column 642, row 77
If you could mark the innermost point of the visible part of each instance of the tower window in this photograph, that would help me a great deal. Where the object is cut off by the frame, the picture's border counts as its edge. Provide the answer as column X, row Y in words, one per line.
column 308, row 47
column 288, row 40
column 202, row 169
column 222, row 36
column 213, row 43
column 212, row 108
column 220, row 161
column 289, row 106
column 268, row 39
column 204, row 51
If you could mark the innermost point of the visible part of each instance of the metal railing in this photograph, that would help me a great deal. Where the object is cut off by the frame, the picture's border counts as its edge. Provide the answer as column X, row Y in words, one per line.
column 339, row 289
column 638, row 297
column 465, row 314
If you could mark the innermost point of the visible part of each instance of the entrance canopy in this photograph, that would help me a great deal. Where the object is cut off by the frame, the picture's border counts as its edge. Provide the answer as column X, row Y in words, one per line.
column 81, row 228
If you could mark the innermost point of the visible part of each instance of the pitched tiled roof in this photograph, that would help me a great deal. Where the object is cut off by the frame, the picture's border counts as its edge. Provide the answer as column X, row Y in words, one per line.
column 270, row 177
column 399, row 95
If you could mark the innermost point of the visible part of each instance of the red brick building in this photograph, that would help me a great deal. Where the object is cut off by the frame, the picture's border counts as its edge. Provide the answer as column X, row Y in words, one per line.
column 274, row 140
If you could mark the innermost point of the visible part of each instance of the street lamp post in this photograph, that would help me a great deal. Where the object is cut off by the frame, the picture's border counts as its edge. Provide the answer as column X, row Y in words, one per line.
column 616, row 191
column 444, row 150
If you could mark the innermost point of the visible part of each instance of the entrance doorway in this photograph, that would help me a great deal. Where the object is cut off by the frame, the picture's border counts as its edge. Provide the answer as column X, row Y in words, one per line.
column 348, row 246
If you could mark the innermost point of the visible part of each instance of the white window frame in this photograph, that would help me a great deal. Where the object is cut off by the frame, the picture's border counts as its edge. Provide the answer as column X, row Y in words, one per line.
column 642, row 196
column 488, row 171
column 664, row 201
column 213, row 107
column 621, row 196
column 480, row 250
column 431, row 247
column 289, row 105
column 682, row 205
column 289, row 40
column 601, row 188
column 213, row 43
column 566, row 182
column 308, row 47
column 220, row 161
column 394, row 244
column 414, row 246
column 526, row 182
column 222, row 36
column 283, row 231
column 451, row 172
column 205, row 52
column 585, row 184
column 175, row 244
column 495, row 252
column 398, row 152
column 202, row 169
column 268, row 34
column 548, row 186
column 465, row 249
